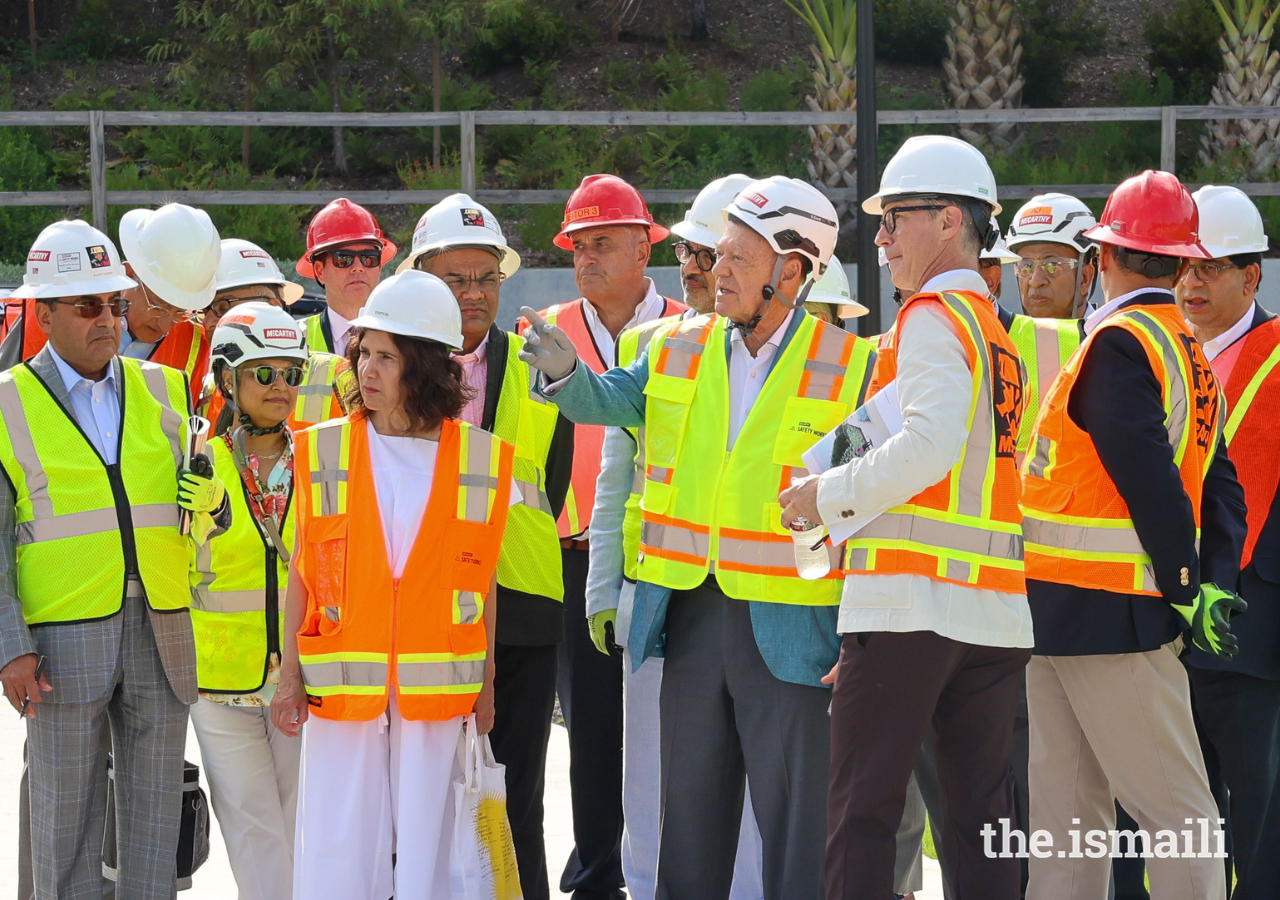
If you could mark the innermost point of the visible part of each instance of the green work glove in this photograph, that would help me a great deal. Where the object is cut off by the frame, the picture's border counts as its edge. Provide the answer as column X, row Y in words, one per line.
column 1209, row 616
column 199, row 489
column 602, row 625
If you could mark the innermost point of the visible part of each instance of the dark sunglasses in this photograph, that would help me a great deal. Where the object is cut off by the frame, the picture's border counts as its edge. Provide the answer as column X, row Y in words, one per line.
column 344, row 259
column 91, row 308
column 266, row 375
column 705, row 258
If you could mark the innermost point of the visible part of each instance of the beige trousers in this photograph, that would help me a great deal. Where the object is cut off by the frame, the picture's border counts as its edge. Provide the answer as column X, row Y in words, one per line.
column 1118, row 726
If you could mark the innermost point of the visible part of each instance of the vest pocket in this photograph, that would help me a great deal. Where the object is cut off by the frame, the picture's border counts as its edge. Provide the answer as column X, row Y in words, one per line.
column 667, row 403
column 470, row 555
column 1050, row 496
column 326, row 538
column 804, row 422
column 536, row 428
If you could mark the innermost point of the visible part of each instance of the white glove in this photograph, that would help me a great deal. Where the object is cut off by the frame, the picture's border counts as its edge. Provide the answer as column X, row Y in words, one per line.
column 547, row 348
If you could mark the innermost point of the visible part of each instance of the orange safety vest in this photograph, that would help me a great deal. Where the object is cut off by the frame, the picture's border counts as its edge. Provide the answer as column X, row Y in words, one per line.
column 357, row 641
column 1253, row 405
column 588, row 440
column 185, row 347
column 1077, row 526
column 964, row 529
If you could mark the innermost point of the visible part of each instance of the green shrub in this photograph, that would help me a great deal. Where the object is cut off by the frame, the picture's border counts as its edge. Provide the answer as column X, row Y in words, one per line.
column 105, row 29
column 517, row 30
column 24, row 166
column 1055, row 35
column 1184, row 47
column 912, row 31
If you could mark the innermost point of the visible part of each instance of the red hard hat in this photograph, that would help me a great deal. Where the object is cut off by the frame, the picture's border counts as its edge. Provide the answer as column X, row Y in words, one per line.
column 606, row 200
column 342, row 222
column 1151, row 213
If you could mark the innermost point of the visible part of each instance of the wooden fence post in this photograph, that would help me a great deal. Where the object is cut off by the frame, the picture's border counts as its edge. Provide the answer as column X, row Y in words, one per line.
column 1168, row 139
column 468, row 152
column 98, row 170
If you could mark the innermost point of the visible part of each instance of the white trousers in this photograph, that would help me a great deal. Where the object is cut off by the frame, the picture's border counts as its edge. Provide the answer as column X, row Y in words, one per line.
column 365, row 790
column 252, row 773
column 641, row 787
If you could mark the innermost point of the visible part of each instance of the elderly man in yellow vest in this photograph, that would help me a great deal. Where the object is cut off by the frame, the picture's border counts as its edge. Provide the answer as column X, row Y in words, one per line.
column 729, row 402
column 92, row 449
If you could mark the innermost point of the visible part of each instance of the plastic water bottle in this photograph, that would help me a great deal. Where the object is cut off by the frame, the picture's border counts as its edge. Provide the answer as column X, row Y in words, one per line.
column 812, row 559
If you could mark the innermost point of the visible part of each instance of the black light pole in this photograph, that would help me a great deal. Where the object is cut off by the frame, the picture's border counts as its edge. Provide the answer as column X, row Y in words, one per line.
column 868, row 172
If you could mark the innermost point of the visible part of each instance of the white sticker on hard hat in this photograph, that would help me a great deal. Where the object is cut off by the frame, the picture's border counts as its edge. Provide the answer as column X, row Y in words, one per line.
column 287, row 334
column 756, row 199
column 98, row 258
column 38, row 256
column 473, row 218
column 69, row 262
column 255, row 254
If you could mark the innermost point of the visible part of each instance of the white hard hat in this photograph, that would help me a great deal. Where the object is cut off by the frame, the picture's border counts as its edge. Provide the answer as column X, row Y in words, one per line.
column 456, row 222
column 999, row 250
column 72, row 259
column 935, row 164
column 833, row 287
column 1052, row 219
column 244, row 263
column 792, row 215
column 174, row 252
column 1230, row 224
column 256, row 331
column 414, row 304
column 704, row 221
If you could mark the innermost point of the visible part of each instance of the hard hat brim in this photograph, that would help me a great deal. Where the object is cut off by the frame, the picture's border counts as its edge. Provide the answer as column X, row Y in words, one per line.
column 874, row 205
column 1103, row 234
column 290, row 291
column 86, row 288
column 1059, row 239
column 131, row 249
column 1216, row 251
column 657, row 233
column 374, row 324
column 694, row 234
column 508, row 261
column 306, row 268
column 851, row 309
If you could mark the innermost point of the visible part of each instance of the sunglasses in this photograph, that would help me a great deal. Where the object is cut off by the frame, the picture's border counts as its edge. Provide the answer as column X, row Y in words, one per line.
column 1025, row 268
column 889, row 219
column 91, row 308
column 266, row 375
column 705, row 258
column 345, row 259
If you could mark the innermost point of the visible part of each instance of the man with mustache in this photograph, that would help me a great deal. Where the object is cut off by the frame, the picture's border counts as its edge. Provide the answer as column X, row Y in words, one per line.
column 460, row 242
column 608, row 227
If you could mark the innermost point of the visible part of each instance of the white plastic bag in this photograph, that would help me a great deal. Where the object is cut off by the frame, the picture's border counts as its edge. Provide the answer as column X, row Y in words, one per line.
column 482, row 860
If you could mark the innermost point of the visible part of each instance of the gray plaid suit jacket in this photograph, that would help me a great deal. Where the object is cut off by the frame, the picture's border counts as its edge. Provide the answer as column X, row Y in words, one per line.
column 81, row 657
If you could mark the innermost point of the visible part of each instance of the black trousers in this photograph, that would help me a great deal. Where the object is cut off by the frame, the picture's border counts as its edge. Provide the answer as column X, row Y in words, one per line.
column 524, row 690
column 1238, row 718
column 590, row 686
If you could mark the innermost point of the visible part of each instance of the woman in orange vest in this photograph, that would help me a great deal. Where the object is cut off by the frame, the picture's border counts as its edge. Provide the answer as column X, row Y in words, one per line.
column 390, row 609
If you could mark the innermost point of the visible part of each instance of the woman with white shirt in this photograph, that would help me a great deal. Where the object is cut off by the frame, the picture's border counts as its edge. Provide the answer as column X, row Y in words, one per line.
column 238, row 581
column 391, row 612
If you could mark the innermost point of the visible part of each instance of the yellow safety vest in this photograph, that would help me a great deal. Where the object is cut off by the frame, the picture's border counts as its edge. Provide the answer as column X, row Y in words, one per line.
column 530, row 559
column 316, row 340
column 1044, row 346
column 238, row 586
column 81, row 525
column 316, row 402
column 704, row 507
column 629, row 344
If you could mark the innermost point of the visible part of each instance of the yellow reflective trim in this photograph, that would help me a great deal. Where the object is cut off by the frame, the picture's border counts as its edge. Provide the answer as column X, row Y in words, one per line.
column 341, row 656
column 976, row 522
column 1251, row 391
column 442, row 689
column 994, row 562
column 1087, row 555
column 364, row 690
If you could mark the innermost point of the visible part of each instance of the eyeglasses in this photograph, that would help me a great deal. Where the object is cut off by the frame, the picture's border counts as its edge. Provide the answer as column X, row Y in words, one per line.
column 266, row 375
column 1026, row 268
column 219, row 308
column 1207, row 271
column 889, row 218
column 91, row 307
column 488, row 282
column 684, row 251
column 344, row 259
column 164, row 310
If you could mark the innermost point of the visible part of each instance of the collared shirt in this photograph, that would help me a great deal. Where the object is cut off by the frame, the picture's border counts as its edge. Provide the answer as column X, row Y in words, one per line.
column 133, row 348
column 341, row 329
column 646, row 310
column 934, row 385
column 1215, row 346
column 475, row 373
column 96, row 406
column 747, row 374
column 1104, row 312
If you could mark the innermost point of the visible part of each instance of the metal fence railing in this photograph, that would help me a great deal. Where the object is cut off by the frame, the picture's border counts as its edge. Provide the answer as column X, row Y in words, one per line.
column 99, row 198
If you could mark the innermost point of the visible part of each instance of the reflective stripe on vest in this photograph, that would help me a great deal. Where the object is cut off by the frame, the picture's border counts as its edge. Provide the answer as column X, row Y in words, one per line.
column 588, row 440
column 1044, row 346
column 438, row 648
column 71, row 510
column 703, row 509
column 186, row 349
column 1253, row 398
column 530, row 560
column 238, row 586
column 1086, row 538
column 964, row 529
column 317, row 400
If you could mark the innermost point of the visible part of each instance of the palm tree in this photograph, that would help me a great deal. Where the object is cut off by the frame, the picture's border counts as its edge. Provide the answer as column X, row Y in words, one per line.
column 834, row 24
column 983, row 52
column 1248, row 78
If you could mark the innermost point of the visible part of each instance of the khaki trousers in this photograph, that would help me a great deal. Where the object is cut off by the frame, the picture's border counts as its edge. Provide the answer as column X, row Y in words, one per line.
column 1117, row 727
